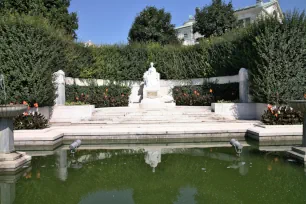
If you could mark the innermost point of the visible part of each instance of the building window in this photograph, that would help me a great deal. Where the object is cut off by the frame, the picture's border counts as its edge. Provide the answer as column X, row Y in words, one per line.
column 185, row 36
column 247, row 21
column 240, row 23
column 275, row 14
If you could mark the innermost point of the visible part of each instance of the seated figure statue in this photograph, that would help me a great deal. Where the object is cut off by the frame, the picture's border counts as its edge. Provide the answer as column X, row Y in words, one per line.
column 152, row 78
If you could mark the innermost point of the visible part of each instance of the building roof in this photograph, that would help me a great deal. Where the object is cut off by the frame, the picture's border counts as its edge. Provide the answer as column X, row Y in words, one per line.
column 263, row 5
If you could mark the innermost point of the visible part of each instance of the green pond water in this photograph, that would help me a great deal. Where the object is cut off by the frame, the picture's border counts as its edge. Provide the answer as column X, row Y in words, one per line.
column 157, row 175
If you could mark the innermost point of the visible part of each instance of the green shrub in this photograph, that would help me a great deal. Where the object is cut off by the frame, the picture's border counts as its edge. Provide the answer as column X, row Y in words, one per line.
column 30, row 51
column 279, row 71
column 204, row 95
column 30, row 122
column 129, row 62
column 100, row 96
column 282, row 115
column 192, row 96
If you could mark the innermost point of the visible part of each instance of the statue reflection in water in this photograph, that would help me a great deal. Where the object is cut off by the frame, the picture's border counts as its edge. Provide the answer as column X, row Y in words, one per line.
column 152, row 157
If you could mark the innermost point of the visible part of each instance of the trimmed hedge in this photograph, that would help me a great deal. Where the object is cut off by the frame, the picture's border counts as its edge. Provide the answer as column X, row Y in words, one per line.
column 100, row 96
column 206, row 94
column 279, row 71
column 30, row 51
column 129, row 62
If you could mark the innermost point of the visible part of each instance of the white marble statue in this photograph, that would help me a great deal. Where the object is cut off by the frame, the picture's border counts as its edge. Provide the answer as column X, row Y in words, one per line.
column 151, row 78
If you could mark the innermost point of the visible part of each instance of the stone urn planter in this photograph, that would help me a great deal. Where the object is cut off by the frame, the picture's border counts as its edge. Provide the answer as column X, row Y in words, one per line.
column 9, row 159
column 300, row 152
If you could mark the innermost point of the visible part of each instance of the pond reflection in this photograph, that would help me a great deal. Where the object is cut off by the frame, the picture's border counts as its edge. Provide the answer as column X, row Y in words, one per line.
column 156, row 173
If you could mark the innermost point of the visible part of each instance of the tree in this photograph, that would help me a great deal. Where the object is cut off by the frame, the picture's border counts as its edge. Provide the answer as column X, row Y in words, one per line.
column 215, row 19
column 153, row 25
column 56, row 11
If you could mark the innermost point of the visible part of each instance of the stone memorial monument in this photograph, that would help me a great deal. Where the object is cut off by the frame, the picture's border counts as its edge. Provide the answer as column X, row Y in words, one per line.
column 151, row 91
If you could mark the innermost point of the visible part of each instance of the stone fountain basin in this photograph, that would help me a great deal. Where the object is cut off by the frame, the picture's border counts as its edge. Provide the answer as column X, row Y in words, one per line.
column 299, row 105
column 11, row 111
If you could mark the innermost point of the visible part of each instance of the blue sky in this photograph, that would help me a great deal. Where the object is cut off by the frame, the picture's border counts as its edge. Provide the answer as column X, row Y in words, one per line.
column 109, row 21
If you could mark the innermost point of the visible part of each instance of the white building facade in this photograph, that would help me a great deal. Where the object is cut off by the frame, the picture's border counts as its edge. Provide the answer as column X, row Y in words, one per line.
column 245, row 17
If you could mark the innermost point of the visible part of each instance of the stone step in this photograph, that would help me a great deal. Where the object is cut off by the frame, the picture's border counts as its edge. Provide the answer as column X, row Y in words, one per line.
column 297, row 155
column 153, row 113
column 299, row 150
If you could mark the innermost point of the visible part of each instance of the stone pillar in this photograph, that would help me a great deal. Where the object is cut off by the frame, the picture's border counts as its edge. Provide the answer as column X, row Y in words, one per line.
column 60, row 84
column 304, row 131
column 8, row 193
column 6, row 136
column 243, row 85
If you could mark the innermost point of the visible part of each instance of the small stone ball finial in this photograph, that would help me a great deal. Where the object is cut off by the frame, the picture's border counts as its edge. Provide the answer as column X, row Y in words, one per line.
column 152, row 64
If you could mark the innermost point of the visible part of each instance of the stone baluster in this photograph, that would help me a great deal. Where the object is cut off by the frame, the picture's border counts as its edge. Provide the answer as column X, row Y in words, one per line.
column 60, row 84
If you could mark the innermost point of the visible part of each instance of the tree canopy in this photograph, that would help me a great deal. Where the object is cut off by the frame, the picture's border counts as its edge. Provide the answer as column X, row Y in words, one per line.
column 153, row 25
column 56, row 11
column 215, row 19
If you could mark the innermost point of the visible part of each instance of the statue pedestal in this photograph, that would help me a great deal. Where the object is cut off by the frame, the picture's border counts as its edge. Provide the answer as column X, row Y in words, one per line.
column 152, row 100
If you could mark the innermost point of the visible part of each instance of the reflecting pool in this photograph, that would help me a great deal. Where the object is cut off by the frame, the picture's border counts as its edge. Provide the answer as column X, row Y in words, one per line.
column 156, row 174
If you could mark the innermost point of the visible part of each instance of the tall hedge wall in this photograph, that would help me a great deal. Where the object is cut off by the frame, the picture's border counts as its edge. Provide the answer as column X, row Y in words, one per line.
column 129, row 62
column 30, row 51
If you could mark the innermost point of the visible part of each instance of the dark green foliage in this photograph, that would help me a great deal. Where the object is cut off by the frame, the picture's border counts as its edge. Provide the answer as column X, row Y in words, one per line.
column 279, row 73
column 153, row 25
column 192, row 96
column 78, row 59
column 131, row 61
column 227, row 53
column 226, row 92
column 215, row 19
column 30, row 51
column 100, row 96
column 282, row 115
column 30, row 122
column 56, row 11
column 206, row 94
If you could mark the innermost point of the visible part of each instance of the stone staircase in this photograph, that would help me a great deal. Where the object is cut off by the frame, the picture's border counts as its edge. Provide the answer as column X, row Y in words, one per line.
column 128, row 115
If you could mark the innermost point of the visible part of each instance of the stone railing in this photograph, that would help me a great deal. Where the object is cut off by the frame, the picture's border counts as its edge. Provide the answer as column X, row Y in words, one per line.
column 165, row 85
